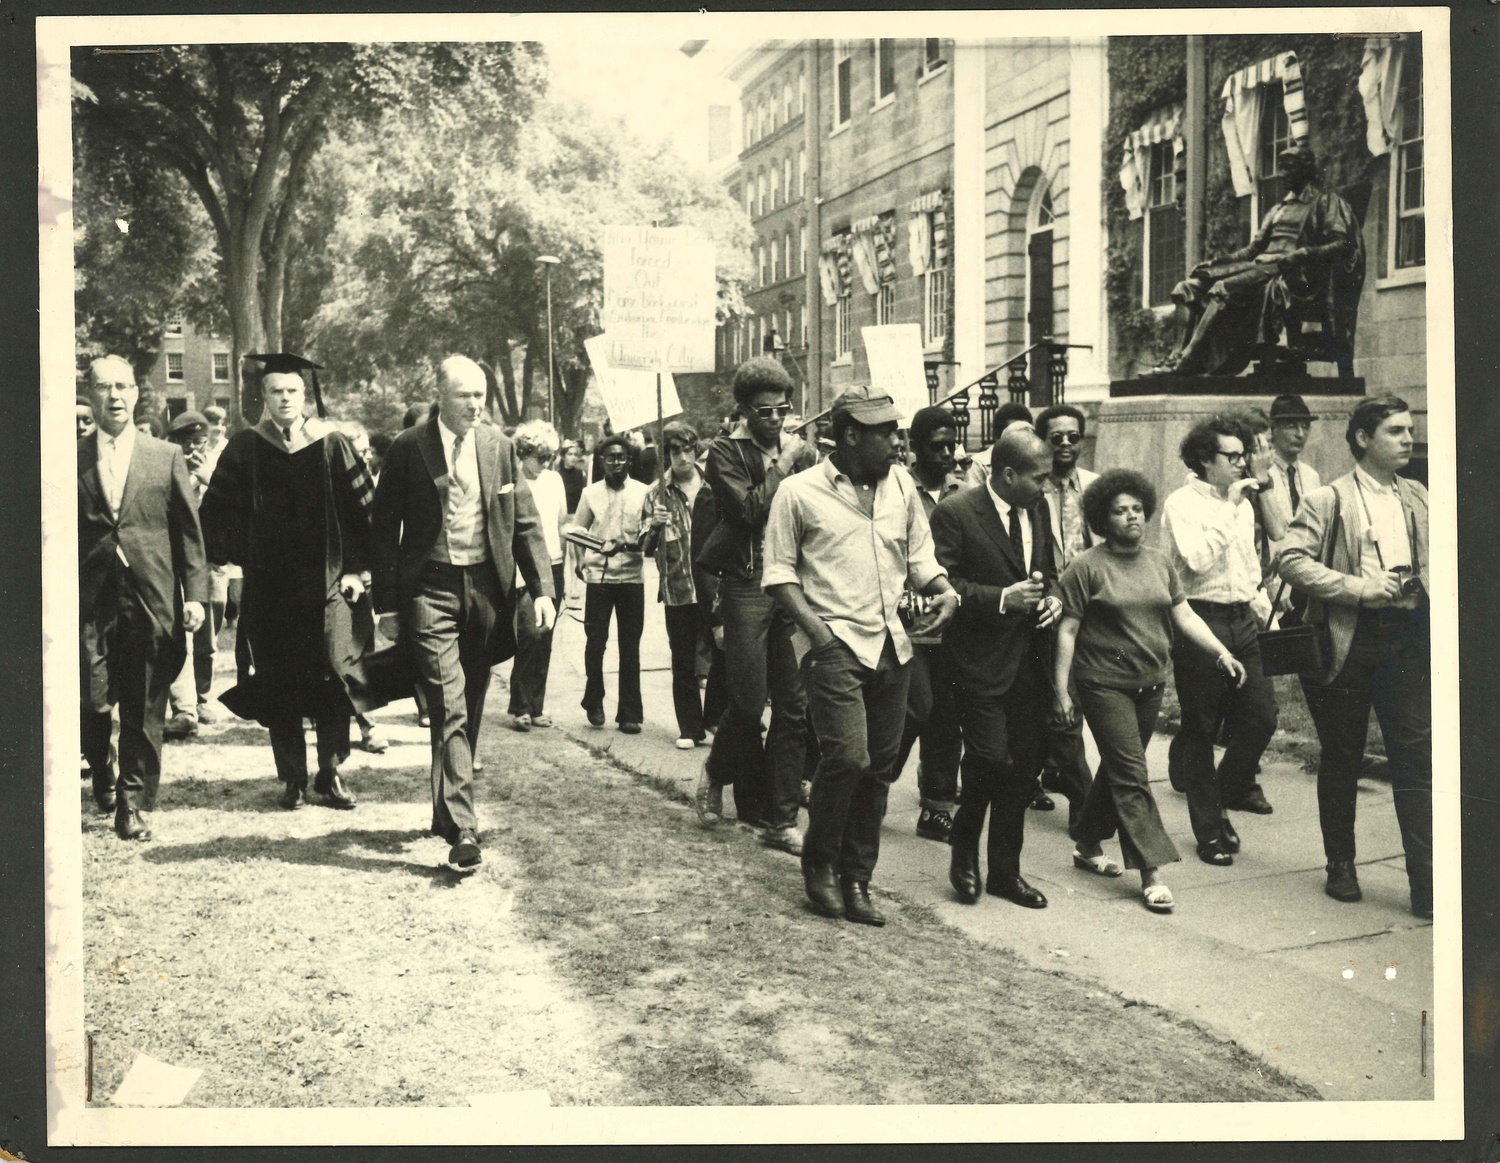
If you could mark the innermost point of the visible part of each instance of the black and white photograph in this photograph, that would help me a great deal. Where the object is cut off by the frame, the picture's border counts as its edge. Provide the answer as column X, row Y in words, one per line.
column 630, row 573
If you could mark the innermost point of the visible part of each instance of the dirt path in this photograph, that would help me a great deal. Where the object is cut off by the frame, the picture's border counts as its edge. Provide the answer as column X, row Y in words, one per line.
column 609, row 953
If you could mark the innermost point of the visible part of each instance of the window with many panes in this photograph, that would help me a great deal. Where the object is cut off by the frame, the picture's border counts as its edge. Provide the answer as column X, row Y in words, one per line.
column 841, row 328
column 775, row 259
column 174, row 367
column 221, row 367
column 1275, row 136
column 802, row 248
column 932, row 54
column 1164, row 226
column 1410, row 202
column 935, row 305
column 885, row 69
column 174, row 325
column 791, row 264
column 786, row 178
column 843, row 79
column 802, row 172
column 749, row 133
column 885, row 304
column 786, row 100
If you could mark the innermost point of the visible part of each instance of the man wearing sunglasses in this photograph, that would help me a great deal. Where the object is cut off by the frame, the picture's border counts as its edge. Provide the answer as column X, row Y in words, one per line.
column 744, row 469
column 1062, row 426
column 1208, row 528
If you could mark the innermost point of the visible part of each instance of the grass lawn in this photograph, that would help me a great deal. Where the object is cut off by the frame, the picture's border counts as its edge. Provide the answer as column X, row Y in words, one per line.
column 610, row 952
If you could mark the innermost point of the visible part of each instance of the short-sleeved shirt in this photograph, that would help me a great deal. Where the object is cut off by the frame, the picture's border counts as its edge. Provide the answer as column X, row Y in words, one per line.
column 1124, row 602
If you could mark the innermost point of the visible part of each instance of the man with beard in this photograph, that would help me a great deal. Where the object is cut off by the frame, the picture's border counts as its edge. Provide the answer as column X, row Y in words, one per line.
column 142, row 586
column 842, row 542
column 289, row 503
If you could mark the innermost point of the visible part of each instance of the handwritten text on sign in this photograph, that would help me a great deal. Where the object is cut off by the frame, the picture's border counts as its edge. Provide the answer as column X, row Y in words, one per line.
column 629, row 394
column 660, row 291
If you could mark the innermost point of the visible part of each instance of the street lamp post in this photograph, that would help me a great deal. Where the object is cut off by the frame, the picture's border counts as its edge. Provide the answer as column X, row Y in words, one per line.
column 549, row 261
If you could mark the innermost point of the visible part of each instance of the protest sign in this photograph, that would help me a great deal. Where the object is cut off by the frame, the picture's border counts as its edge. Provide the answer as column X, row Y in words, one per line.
column 660, row 294
column 894, row 353
column 629, row 394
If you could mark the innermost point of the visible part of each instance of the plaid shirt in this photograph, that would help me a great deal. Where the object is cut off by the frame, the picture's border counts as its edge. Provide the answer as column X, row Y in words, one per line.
column 671, row 544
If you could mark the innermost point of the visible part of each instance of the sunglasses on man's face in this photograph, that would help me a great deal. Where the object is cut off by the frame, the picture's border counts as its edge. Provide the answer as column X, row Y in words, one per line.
column 774, row 411
column 942, row 445
column 1058, row 439
column 615, row 458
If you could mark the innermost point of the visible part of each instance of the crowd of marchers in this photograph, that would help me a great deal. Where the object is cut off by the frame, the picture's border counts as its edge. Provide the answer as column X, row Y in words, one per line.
column 881, row 589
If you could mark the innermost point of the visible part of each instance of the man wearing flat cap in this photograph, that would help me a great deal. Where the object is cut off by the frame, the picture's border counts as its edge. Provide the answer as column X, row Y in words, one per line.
column 189, row 431
column 1308, row 248
column 142, row 585
column 289, row 503
column 843, row 540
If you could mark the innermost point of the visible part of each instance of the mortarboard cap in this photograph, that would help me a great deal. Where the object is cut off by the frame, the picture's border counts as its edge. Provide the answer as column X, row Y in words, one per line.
column 285, row 363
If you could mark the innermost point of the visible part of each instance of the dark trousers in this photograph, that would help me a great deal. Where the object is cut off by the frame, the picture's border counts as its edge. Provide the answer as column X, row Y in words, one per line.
column 1209, row 702
column 716, row 689
column 627, row 602
column 1389, row 668
column 124, row 660
column 758, row 657
column 528, row 676
column 931, row 717
column 1003, row 742
column 684, row 633
column 290, row 750
column 1064, row 755
column 1120, row 798
column 451, row 627
column 857, row 713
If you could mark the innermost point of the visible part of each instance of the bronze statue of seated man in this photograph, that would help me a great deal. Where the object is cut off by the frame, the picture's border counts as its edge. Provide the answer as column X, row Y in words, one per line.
column 1302, row 262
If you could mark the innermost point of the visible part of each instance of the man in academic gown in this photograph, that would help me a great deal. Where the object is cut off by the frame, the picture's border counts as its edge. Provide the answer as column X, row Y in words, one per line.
column 289, row 502
column 142, row 585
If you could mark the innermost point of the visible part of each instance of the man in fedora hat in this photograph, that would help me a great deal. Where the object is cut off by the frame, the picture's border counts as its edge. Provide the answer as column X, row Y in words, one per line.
column 1291, row 477
column 1228, row 307
column 843, row 540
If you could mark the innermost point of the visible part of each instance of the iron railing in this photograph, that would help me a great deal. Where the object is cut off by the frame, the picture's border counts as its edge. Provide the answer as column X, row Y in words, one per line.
column 1017, row 387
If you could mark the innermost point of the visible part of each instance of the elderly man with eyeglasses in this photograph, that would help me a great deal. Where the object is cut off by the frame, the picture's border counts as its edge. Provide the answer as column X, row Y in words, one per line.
column 1208, row 528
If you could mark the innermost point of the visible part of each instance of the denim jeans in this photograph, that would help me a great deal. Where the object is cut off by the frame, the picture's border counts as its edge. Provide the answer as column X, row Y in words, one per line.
column 627, row 602
column 758, row 657
column 931, row 717
column 1210, row 701
column 1122, row 722
column 1389, row 668
column 528, row 676
column 858, row 714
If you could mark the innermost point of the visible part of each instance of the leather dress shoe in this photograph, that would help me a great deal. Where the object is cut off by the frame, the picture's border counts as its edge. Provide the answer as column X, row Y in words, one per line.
column 1253, row 801
column 1229, row 837
column 630, row 728
column 823, row 889
column 963, row 875
column 1042, row 802
column 1016, row 890
column 129, row 824
column 465, row 854
column 333, row 792
column 596, row 718
column 1214, row 852
column 857, row 905
column 104, row 789
column 1343, row 882
column 293, row 794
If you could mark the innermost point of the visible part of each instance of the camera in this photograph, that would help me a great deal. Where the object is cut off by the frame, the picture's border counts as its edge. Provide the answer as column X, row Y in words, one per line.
column 1411, row 584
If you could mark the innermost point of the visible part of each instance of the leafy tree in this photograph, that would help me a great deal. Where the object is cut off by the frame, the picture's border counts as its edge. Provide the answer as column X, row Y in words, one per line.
column 243, row 124
column 436, row 248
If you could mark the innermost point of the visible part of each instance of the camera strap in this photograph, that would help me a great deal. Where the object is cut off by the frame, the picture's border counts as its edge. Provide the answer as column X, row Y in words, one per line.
column 1406, row 519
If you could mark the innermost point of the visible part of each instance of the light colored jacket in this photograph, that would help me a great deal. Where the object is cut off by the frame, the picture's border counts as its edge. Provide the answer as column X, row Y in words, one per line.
column 1330, row 574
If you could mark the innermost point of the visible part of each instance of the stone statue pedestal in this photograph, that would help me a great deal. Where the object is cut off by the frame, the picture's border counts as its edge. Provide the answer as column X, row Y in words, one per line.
column 1257, row 385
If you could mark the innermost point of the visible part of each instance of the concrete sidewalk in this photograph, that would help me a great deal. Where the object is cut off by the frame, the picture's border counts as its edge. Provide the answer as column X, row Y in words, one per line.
column 1333, row 994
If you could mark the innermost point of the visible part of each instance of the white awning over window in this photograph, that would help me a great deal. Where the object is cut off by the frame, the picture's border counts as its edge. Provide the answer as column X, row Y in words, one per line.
column 1244, row 95
column 1379, row 87
column 1135, row 164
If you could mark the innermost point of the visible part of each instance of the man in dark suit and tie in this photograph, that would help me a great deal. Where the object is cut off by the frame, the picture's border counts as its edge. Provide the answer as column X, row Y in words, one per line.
column 142, row 585
column 453, row 520
column 995, row 543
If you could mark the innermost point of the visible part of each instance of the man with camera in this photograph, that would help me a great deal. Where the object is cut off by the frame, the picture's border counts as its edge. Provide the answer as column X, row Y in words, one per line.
column 1358, row 549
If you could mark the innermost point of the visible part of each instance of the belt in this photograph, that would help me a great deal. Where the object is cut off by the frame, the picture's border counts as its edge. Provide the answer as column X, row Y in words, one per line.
column 1230, row 606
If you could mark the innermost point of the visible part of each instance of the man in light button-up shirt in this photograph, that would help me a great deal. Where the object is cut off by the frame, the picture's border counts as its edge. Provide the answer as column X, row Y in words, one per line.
column 843, row 540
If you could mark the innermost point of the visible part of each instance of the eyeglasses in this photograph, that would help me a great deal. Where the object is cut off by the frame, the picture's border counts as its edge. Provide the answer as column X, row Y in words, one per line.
column 1058, row 439
column 773, row 411
column 942, row 445
column 1232, row 457
column 615, row 458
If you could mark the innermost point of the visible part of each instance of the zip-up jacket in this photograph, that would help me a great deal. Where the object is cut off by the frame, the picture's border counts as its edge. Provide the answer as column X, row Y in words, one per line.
column 743, row 489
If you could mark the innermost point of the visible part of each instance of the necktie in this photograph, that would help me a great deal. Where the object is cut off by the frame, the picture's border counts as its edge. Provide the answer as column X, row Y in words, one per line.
column 107, row 474
column 458, row 472
column 286, row 434
column 1291, row 487
column 1016, row 540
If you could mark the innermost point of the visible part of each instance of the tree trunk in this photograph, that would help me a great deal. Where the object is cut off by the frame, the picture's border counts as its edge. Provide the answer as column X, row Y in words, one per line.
column 528, row 377
column 248, row 330
column 507, row 384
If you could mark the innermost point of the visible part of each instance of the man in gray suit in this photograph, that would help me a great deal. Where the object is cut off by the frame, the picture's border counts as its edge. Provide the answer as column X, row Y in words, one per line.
column 1358, row 549
column 453, row 520
column 142, row 585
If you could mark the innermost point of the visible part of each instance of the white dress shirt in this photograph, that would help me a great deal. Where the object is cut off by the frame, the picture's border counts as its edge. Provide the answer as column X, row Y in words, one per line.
column 1003, row 508
column 114, row 465
column 1212, row 543
column 1386, row 540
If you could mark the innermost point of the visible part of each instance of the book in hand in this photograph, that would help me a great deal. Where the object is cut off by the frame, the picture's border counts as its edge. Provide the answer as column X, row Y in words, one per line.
column 585, row 540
